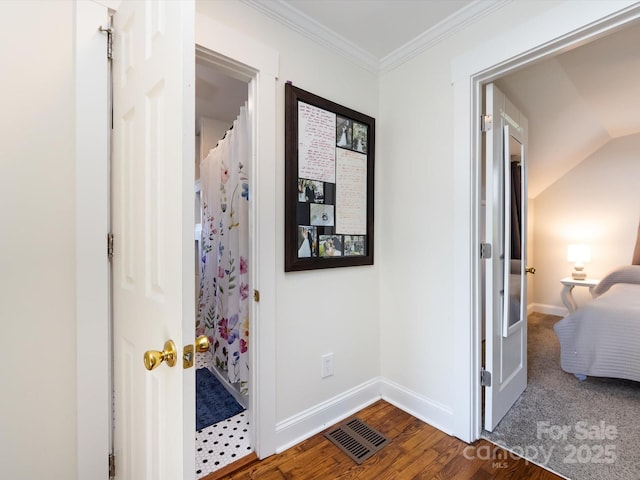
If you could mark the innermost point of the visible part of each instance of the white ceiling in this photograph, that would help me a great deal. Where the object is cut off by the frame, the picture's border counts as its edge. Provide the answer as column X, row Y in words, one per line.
column 575, row 102
column 376, row 34
column 218, row 96
column 360, row 21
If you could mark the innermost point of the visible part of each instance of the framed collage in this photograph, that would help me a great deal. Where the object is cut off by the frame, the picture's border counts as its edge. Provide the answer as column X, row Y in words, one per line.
column 329, row 183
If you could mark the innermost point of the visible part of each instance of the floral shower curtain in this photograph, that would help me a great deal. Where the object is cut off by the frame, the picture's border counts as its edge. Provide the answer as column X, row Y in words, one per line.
column 223, row 306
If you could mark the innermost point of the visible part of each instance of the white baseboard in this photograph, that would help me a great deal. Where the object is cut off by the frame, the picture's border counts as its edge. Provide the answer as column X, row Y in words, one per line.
column 299, row 427
column 549, row 309
column 425, row 409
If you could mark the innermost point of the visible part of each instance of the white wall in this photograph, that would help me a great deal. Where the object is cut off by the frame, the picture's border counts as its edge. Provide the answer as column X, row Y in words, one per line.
column 596, row 203
column 37, row 243
column 531, row 254
column 418, row 292
column 212, row 131
column 331, row 310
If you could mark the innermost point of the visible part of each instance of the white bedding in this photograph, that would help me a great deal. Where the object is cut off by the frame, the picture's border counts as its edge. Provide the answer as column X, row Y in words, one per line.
column 602, row 338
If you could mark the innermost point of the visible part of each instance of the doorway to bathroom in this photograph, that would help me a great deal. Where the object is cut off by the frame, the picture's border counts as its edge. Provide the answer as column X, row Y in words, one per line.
column 222, row 186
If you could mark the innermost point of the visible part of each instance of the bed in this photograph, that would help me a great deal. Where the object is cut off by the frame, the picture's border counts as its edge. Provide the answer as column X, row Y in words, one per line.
column 602, row 338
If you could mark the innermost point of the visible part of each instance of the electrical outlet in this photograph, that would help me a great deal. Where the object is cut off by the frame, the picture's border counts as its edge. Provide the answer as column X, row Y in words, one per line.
column 326, row 365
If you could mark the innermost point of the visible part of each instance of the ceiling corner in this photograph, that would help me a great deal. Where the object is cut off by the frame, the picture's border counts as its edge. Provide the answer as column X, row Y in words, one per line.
column 291, row 17
column 439, row 32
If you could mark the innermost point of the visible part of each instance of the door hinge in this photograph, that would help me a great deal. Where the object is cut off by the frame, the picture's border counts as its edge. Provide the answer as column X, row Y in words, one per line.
column 110, row 246
column 485, row 250
column 109, row 32
column 256, row 296
column 112, row 466
column 486, row 123
column 485, row 378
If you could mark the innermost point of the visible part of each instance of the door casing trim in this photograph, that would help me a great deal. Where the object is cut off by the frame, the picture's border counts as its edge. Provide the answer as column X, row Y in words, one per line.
column 93, row 337
column 549, row 34
column 258, row 64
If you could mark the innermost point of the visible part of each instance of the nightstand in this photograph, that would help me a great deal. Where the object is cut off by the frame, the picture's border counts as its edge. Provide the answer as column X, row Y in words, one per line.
column 568, row 284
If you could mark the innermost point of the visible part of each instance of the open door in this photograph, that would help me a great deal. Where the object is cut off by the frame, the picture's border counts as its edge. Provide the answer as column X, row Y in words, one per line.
column 505, row 376
column 152, row 220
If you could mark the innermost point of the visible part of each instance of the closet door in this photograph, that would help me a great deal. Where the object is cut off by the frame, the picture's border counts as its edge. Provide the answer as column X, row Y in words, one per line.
column 152, row 218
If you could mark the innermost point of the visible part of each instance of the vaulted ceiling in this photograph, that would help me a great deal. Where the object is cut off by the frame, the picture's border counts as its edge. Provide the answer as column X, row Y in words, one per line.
column 575, row 102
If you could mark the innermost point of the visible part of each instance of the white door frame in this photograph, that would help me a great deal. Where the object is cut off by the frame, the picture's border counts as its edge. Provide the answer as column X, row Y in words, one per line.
column 556, row 30
column 93, row 337
column 261, row 65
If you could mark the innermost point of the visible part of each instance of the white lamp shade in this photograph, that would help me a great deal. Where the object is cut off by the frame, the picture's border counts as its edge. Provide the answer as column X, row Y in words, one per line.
column 578, row 253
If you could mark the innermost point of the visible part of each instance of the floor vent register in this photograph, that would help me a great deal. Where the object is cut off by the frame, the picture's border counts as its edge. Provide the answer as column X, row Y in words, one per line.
column 357, row 439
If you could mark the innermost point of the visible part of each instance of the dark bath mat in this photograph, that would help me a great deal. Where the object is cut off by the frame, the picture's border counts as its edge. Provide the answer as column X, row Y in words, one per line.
column 213, row 402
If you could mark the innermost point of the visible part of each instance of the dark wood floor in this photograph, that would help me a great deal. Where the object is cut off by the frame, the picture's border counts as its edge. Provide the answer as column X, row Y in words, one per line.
column 415, row 451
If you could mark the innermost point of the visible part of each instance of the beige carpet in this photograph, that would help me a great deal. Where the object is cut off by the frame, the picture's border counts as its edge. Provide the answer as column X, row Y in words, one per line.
column 586, row 430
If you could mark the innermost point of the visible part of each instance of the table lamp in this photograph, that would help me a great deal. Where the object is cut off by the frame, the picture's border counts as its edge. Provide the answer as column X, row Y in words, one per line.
column 578, row 254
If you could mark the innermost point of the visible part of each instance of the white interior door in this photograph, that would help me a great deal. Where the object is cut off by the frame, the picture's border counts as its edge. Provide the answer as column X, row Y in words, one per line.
column 152, row 221
column 505, row 285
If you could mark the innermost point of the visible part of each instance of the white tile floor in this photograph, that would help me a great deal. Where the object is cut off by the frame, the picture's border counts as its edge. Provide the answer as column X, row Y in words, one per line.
column 221, row 443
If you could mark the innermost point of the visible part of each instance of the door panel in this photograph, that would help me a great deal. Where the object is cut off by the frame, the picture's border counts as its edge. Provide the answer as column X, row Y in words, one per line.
column 505, row 288
column 152, row 220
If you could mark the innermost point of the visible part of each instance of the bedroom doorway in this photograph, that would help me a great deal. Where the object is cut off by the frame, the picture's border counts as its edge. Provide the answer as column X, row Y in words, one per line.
column 521, row 69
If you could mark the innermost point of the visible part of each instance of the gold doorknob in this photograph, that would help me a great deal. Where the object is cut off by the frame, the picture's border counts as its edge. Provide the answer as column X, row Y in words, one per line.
column 202, row 343
column 531, row 270
column 153, row 358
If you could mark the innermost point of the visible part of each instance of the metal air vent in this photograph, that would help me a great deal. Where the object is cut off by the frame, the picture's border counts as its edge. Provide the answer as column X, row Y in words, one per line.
column 357, row 439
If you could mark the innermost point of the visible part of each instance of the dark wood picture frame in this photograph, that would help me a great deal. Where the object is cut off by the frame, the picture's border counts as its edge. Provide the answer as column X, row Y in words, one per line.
column 329, row 183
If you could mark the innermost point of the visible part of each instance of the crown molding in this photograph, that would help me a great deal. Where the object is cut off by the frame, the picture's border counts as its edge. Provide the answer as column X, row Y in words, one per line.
column 310, row 28
column 293, row 18
column 441, row 31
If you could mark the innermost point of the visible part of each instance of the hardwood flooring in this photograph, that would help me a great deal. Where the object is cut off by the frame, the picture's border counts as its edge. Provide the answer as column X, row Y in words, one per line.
column 415, row 451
